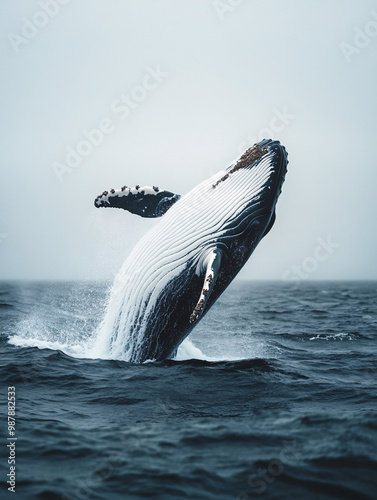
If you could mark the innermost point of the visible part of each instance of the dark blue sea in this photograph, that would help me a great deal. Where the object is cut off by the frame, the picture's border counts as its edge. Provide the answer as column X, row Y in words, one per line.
column 274, row 396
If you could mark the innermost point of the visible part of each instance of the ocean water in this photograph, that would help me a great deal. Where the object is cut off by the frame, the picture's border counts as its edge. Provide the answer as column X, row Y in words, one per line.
column 273, row 396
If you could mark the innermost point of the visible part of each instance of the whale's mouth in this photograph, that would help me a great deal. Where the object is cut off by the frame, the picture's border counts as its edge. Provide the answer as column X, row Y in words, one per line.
column 250, row 156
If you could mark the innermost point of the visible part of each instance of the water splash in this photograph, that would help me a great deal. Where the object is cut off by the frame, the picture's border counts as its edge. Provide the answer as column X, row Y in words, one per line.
column 66, row 318
column 46, row 332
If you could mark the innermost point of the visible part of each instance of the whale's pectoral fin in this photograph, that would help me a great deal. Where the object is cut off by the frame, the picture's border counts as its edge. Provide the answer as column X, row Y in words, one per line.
column 144, row 201
column 212, row 267
column 270, row 224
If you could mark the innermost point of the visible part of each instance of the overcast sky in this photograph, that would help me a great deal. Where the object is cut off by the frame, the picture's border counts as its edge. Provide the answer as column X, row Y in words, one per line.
column 179, row 89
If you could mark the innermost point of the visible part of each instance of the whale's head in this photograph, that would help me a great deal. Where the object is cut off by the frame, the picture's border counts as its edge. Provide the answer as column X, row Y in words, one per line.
column 260, row 170
column 244, row 195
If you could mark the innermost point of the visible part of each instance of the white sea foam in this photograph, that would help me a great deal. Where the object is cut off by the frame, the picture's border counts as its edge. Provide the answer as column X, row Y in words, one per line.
column 187, row 350
column 39, row 331
column 74, row 350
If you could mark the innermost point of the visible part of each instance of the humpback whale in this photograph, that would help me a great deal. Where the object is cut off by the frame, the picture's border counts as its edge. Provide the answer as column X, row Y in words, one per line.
column 202, row 239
